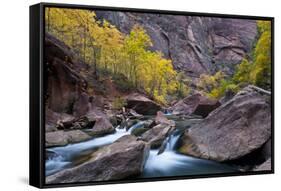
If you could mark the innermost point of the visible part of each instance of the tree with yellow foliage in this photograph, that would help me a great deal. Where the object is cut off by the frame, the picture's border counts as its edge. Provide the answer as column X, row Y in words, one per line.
column 261, row 69
column 255, row 71
column 208, row 82
column 103, row 46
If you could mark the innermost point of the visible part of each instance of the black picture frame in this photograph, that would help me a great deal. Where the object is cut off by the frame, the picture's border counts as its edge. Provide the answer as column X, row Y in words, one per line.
column 37, row 83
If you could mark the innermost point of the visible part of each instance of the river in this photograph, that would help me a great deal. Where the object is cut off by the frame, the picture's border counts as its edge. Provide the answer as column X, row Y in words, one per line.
column 169, row 163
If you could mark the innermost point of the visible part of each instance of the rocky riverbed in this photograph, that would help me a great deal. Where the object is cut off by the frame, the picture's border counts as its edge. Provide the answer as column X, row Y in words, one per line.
column 87, row 139
column 171, row 145
column 153, row 153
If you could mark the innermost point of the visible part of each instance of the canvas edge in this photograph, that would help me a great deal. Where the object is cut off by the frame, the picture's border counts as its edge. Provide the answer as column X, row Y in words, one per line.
column 37, row 179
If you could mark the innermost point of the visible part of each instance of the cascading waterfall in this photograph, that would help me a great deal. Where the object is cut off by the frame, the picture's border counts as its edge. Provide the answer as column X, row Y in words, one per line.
column 66, row 154
column 135, row 126
column 172, row 163
column 172, row 141
column 168, row 163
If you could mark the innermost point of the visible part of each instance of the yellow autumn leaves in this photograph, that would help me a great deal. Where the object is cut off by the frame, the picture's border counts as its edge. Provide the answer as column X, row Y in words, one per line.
column 104, row 47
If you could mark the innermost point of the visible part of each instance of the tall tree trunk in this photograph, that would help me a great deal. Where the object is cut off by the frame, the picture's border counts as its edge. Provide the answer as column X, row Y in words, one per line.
column 84, row 48
column 95, row 62
column 48, row 21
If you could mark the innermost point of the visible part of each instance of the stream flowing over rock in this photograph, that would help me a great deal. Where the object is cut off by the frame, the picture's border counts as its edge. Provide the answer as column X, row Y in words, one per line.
column 237, row 128
column 156, row 135
column 122, row 159
column 142, row 104
column 195, row 104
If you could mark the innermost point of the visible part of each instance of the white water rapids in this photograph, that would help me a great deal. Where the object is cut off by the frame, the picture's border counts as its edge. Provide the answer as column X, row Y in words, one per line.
column 169, row 163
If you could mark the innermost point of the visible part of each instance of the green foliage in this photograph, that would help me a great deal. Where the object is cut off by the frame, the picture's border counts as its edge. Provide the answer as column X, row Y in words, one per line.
column 118, row 103
column 242, row 72
column 261, row 69
column 216, row 85
column 225, row 85
column 256, row 71
column 122, row 83
column 207, row 83
column 182, row 90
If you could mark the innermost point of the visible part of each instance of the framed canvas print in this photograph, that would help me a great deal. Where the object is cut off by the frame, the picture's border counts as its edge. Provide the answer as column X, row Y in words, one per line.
column 130, row 95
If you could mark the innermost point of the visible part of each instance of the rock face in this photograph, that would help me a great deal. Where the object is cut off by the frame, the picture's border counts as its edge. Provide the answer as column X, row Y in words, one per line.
column 122, row 159
column 142, row 104
column 229, row 94
column 195, row 44
column 82, row 105
column 51, row 120
column 65, row 86
column 237, row 128
column 195, row 104
column 61, row 138
column 266, row 150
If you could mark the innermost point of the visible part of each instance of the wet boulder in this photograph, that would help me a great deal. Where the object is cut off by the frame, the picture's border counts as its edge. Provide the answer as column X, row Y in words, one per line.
column 55, row 121
column 102, row 126
column 139, row 131
column 156, row 135
column 162, row 119
column 142, row 104
column 237, row 128
column 130, row 123
column 196, row 104
column 123, row 159
column 65, row 122
column 61, row 138
column 133, row 114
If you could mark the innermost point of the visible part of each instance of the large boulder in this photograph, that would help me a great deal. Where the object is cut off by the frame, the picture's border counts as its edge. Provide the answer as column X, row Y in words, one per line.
column 142, row 104
column 61, row 138
column 195, row 104
column 123, row 159
column 102, row 126
column 133, row 114
column 51, row 119
column 228, row 95
column 156, row 135
column 65, row 122
column 265, row 152
column 55, row 121
column 237, row 128
column 162, row 119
